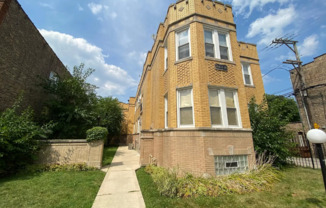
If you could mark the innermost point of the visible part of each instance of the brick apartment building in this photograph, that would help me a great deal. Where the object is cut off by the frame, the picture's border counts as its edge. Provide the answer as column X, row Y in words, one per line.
column 191, row 106
column 314, row 75
column 25, row 58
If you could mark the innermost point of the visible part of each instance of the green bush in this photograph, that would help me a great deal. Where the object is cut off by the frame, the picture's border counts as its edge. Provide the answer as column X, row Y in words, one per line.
column 58, row 167
column 18, row 138
column 269, row 133
column 169, row 184
column 96, row 133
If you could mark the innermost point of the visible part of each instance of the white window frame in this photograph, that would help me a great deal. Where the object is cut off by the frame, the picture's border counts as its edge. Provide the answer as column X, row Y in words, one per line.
column 178, row 110
column 250, row 74
column 139, row 125
column 216, row 42
column 165, row 58
column 177, row 42
column 224, row 115
column 166, row 111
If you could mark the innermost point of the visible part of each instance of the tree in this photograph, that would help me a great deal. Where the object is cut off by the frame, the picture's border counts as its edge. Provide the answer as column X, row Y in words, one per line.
column 269, row 133
column 284, row 108
column 110, row 115
column 19, row 136
column 71, row 104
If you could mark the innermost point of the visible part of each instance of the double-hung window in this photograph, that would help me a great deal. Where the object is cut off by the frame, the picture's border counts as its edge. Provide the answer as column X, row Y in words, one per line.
column 185, row 108
column 217, row 44
column 246, row 70
column 224, row 108
column 183, row 44
column 209, row 44
column 165, row 58
column 166, row 112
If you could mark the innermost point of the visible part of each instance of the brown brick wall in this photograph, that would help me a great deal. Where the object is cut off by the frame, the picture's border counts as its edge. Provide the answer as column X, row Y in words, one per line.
column 25, row 59
column 314, row 73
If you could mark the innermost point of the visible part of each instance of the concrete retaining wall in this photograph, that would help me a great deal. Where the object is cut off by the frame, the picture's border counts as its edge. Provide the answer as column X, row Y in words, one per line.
column 72, row 152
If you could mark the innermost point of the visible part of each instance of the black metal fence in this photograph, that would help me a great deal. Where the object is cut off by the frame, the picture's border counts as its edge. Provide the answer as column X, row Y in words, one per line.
column 306, row 153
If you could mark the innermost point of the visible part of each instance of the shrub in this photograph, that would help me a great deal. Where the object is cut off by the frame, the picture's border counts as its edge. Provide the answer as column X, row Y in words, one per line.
column 96, row 133
column 58, row 167
column 18, row 138
column 168, row 184
column 269, row 133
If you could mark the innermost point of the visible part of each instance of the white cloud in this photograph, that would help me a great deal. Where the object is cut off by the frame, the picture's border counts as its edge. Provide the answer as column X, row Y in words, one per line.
column 240, row 6
column 111, row 79
column 95, row 8
column 272, row 25
column 80, row 8
column 309, row 46
column 267, row 79
column 50, row 6
column 113, row 15
column 139, row 57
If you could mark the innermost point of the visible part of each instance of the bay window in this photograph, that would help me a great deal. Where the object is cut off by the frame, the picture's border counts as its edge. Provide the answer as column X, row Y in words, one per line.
column 217, row 44
column 224, row 108
column 185, row 108
column 183, row 44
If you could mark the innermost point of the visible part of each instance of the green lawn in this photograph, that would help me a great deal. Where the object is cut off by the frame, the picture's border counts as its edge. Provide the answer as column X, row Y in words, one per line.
column 51, row 189
column 108, row 154
column 300, row 187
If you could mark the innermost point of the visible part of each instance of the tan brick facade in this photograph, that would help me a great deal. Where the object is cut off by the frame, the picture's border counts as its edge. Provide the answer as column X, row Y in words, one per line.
column 193, row 149
column 25, row 58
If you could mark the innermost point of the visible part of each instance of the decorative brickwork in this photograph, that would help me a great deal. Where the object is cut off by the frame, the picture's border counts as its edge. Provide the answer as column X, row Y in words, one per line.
column 193, row 149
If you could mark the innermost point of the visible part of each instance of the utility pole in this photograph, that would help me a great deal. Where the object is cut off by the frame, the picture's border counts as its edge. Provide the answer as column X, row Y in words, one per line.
column 297, row 64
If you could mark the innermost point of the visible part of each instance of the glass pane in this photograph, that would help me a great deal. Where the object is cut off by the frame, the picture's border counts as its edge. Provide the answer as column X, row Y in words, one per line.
column 213, row 98
column 216, row 116
column 209, row 49
column 185, row 98
column 183, row 37
column 167, row 120
column 184, row 51
column 222, row 40
column 247, row 79
column 245, row 69
column 229, row 99
column 208, row 37
column 224, row 53
column 232, row 116
column 186, row 116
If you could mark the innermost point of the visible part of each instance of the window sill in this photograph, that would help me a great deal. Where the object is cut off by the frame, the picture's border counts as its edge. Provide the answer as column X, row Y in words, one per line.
column 183, row 60
column 250, row 86
column 219, row 60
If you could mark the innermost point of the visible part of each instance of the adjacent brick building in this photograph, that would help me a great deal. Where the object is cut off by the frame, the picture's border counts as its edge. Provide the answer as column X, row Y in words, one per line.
column 314, row 76
column 25, row 58
column 191, row 106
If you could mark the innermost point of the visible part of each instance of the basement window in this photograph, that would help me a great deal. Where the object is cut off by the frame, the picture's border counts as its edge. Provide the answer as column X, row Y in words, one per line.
column 226, row 165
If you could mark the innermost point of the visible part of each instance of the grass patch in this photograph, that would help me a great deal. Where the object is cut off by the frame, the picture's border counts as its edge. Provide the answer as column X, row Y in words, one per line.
column 300, row 187
column 108, row 154
column 51, row 189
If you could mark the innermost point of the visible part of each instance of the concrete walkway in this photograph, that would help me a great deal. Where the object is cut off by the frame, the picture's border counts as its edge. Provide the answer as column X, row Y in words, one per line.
column 120, row 188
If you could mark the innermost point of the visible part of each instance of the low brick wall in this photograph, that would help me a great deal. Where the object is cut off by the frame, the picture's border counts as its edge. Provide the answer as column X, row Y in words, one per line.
column 72, row 152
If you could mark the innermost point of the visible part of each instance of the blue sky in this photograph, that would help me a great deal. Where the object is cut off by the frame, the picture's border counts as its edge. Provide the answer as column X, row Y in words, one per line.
column 113, row 36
